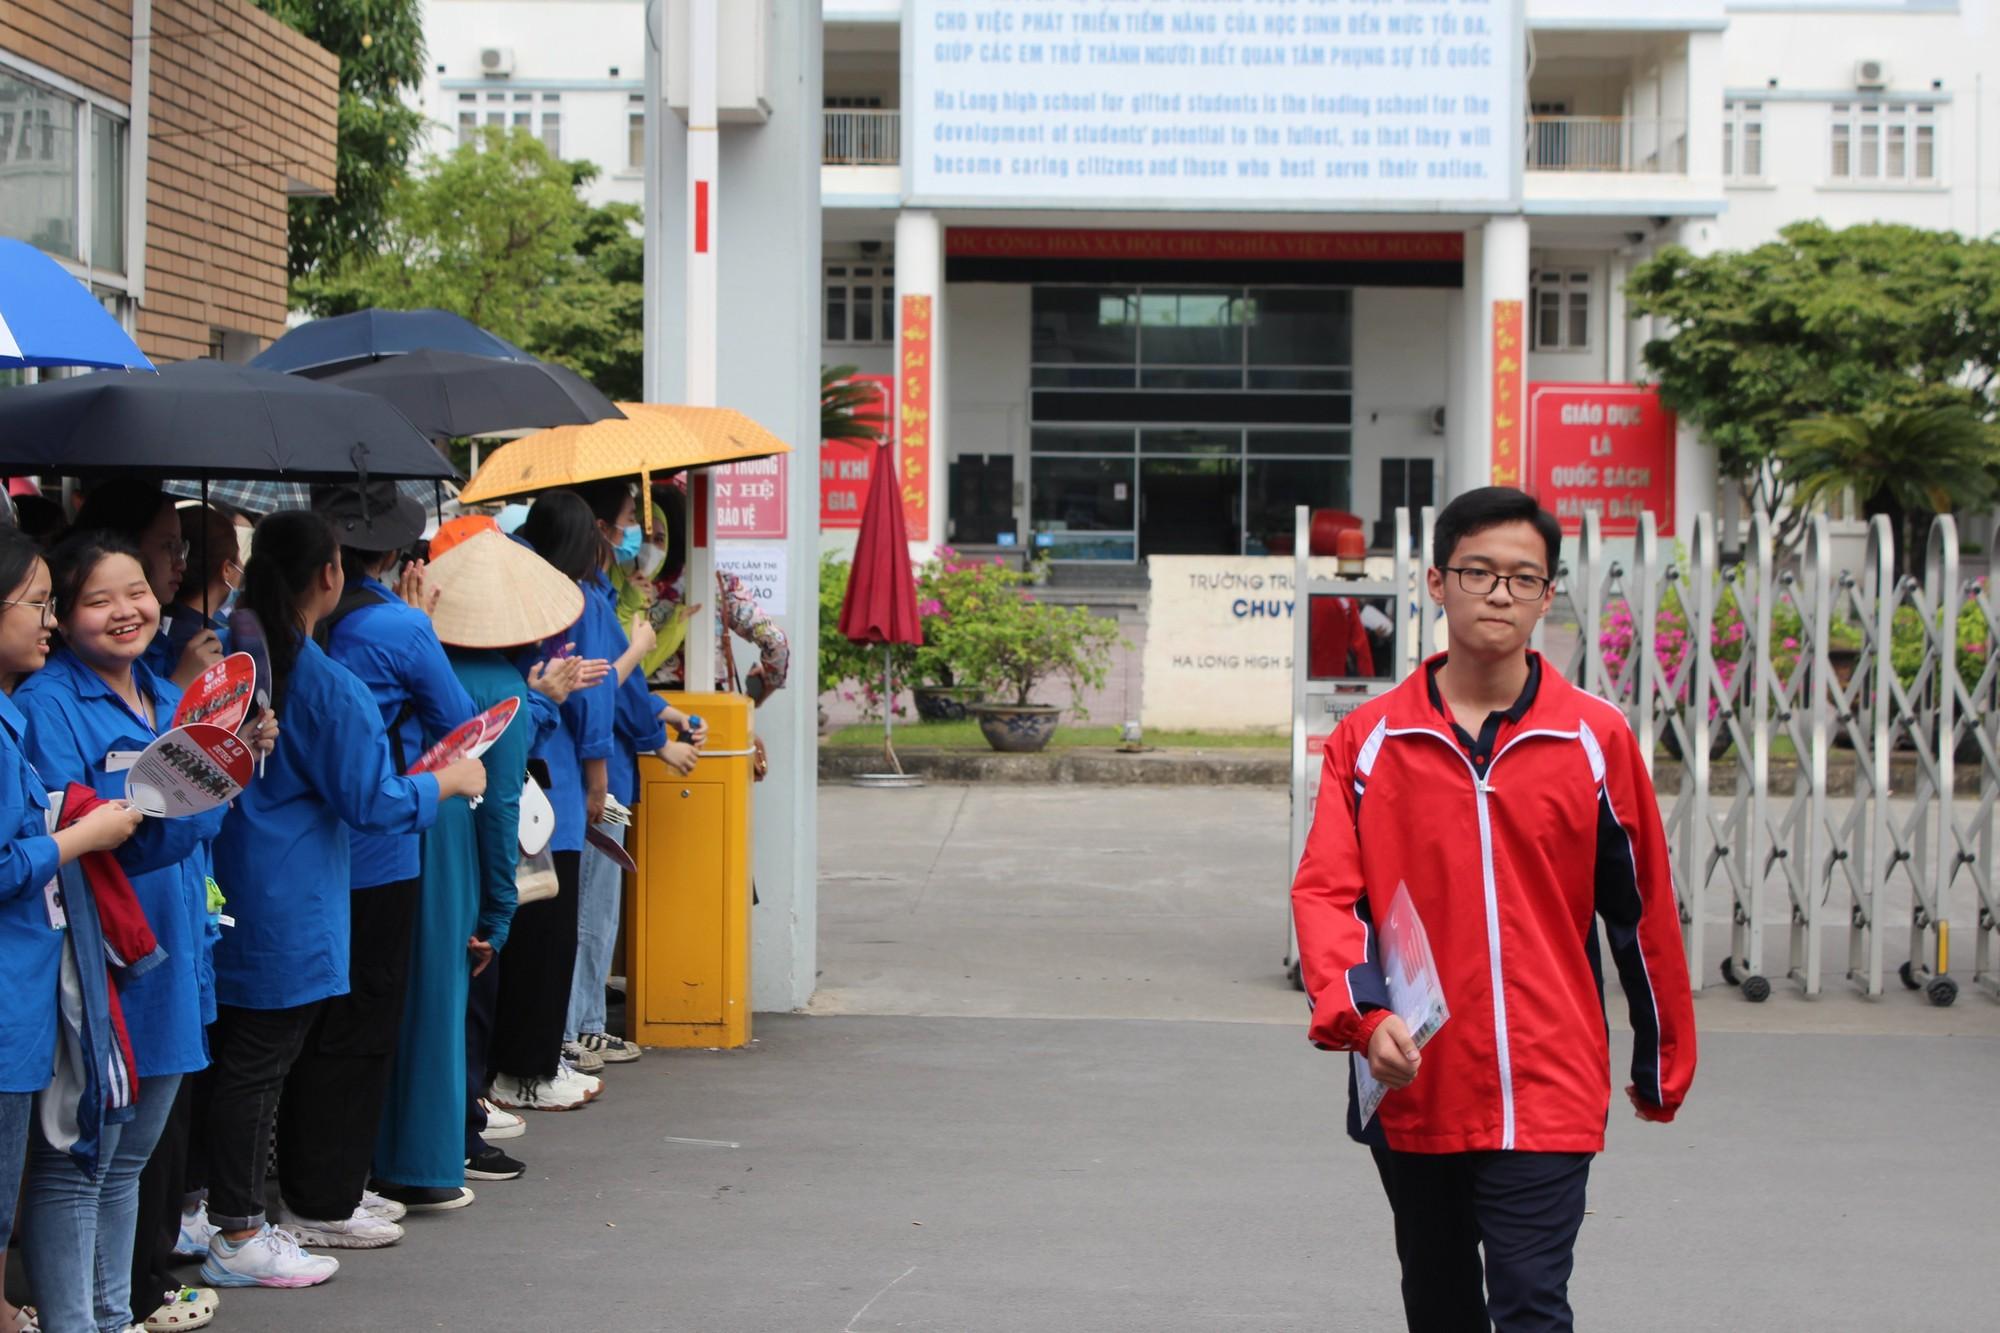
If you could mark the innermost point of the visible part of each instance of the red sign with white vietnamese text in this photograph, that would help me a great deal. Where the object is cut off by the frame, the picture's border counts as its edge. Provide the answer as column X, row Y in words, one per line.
column 1379, row 247
column 750, row 498
column 843, row 464
column 1602, row 447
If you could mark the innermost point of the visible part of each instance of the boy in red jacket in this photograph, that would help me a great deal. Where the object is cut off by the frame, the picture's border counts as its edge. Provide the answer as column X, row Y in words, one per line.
column 1517, row 810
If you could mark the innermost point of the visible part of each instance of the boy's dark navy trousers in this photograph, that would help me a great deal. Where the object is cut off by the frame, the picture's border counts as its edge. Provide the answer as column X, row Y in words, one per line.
column 1523, row 1208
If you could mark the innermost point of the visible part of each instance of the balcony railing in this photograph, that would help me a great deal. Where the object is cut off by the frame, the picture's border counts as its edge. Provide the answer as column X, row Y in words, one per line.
column 1607, row 143
column 862, row 139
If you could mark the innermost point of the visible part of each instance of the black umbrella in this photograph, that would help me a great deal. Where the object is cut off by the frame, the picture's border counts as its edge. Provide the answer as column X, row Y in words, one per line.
column 341, row 342
column 208, row 419
column 449, row 394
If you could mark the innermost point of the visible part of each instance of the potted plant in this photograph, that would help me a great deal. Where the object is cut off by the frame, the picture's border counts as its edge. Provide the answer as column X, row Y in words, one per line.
column 1006, row 643
column 947, row 587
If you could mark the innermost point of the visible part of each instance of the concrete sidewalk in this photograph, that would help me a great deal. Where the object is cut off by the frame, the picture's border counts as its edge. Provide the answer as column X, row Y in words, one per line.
column 1055, row 1082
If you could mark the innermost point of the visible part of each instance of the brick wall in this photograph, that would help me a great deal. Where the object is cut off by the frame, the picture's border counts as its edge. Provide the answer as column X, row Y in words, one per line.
column 240, row 105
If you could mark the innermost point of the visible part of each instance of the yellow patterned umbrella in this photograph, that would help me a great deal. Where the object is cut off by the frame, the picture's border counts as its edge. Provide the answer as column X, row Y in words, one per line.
column 651, row 438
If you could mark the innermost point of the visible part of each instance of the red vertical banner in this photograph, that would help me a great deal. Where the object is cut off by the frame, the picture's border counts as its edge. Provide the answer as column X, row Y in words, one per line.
column 1509, row 377
column 844, row 464
column 913, row 416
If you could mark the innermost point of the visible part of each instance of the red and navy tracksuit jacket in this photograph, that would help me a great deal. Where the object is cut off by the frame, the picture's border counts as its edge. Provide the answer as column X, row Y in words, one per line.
column 1508, row 861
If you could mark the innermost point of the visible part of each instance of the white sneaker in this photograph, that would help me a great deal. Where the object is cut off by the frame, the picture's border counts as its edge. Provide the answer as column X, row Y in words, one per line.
column 609, row 1049
column 376, row 1206
column 196, row 1231
column 271, row 1258
column 363, row 1231
column 568, row 1075
column 582, row 1060
column 501, row 1124
column 533, row 1094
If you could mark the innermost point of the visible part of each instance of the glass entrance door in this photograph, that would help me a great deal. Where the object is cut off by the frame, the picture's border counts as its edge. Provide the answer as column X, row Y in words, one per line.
column 1190, row 492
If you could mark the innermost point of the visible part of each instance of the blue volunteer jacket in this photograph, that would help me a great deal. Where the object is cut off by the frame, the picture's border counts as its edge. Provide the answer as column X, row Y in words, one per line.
column 75, row 721
column 391, row 648
column 283, row 854
column 30, row 948
column 586, row 725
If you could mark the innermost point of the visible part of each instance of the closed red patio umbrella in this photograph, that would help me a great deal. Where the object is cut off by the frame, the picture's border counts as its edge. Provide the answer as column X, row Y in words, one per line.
column 881, row 602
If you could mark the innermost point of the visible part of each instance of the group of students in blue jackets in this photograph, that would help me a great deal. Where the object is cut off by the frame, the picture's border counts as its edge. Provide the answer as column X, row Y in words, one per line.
column 331, row 973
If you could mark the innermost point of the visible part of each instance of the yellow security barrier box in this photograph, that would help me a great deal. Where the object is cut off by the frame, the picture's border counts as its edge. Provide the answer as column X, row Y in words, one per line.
column 687, row 918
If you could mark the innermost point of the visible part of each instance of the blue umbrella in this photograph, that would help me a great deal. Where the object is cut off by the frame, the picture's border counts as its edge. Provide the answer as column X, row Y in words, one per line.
column 48, row 318
column 342, row 342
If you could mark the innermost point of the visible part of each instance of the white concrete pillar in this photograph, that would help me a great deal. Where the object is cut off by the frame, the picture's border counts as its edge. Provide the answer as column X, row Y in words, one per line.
column 1465, row 416
column 1617, row 324
column 1489, row 453
column 1694, row 458
column 1703, row 111
column 920, row 272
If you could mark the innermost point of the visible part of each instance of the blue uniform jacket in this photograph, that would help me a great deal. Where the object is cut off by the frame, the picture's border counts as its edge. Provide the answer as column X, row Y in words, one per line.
column 282, row 856
column 639, row 730
column 586, row 724
column 30, row 948
column 75, row 720
column 392, row 649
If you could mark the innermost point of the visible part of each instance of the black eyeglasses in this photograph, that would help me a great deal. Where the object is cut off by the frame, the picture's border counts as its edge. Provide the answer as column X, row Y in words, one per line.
column 47, row 609
column 1479, row 582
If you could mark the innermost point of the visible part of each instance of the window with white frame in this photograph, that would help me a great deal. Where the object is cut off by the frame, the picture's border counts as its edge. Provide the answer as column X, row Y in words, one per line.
column 64, row 172
column 1562, row 311
column 1890, row 143
column 635, row 132
column 860, row 302
column 1743, row 140
column 535, row 113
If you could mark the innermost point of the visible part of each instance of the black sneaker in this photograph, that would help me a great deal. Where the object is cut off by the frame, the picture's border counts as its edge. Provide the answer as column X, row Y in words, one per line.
column 492, row 1164
column 425, row 1198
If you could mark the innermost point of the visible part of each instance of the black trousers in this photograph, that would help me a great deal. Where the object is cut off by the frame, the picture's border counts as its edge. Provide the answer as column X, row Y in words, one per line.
column 335, row 1091
column 1523, row 1208
column 536, row 967
column 481, row 997
column 162, row 1186
column 250, row 1052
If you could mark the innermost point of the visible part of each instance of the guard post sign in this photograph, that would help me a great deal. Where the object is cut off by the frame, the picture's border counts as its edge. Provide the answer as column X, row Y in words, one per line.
column 1607, row 448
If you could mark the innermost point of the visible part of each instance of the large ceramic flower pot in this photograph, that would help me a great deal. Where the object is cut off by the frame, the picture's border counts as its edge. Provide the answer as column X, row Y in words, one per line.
column 944, row 703
column 1016, row 728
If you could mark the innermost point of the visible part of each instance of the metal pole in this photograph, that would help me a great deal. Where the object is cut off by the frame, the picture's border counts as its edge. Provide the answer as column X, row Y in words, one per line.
column 702, row 332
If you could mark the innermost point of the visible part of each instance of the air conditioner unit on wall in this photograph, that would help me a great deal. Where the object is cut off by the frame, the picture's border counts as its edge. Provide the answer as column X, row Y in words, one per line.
column 496, row 60
column 1871, row 74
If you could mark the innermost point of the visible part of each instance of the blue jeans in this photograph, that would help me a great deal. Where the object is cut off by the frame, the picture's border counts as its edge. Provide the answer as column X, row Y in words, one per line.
column 16, row 1110
column 600, row 894
column 79, row 1232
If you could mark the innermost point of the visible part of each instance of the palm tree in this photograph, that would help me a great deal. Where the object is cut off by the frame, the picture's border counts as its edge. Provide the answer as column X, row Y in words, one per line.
column 1904, row 465
column 848, row 409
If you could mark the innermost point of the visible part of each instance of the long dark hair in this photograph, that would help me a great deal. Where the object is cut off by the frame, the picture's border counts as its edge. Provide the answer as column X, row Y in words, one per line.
column 564, row 532
column 211, row 538
column 123, row 506
column 76, row 558
column 290, row 549
column 18, row 554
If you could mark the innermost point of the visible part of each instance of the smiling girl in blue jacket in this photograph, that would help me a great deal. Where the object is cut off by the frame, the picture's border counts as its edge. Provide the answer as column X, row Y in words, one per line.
column 90, row 712
column 30, row 934
column 283, row 854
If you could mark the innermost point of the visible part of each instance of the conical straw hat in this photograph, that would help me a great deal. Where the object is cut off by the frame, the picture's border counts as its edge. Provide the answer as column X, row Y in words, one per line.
column 494, row 592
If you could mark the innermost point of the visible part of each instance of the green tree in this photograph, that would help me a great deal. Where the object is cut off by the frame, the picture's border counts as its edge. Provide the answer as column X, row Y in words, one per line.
column 1904, row 465
column 499, row 232
column 380, row 44
column 1870, row 319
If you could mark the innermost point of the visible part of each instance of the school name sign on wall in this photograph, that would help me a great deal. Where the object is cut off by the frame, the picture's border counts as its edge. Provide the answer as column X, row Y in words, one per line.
column 1607, row 448
column 1219, row 643
column 1342, row 104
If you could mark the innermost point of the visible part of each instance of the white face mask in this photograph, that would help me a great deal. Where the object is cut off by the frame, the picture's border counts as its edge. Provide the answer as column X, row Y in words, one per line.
column 649, row 560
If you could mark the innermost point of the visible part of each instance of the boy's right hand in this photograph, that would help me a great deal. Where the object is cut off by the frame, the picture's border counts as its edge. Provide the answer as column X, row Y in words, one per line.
column 1392, row 1054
